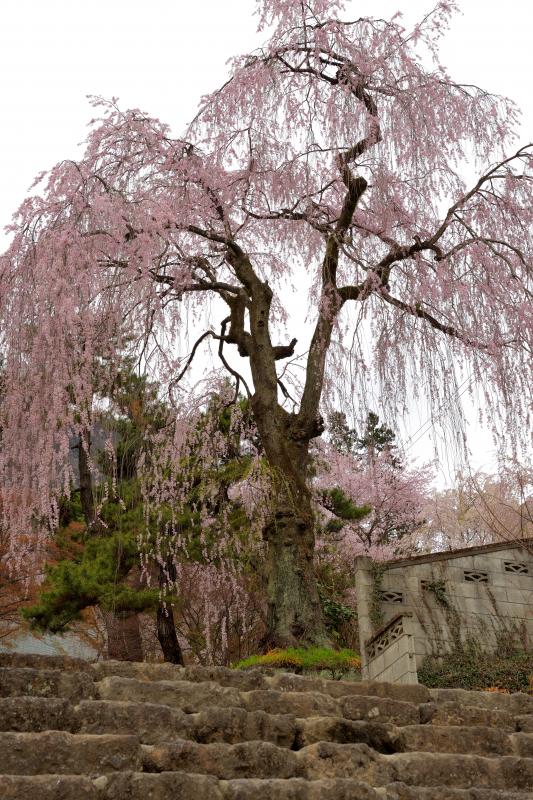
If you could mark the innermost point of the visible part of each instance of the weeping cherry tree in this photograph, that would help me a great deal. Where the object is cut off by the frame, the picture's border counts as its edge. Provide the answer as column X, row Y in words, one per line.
column 339, row 168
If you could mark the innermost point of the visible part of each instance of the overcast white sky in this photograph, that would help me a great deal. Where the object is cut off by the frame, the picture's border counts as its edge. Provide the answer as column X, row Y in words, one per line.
column 162, row 55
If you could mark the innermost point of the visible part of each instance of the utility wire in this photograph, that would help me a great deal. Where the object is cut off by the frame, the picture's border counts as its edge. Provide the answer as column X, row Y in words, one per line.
column 414, row 438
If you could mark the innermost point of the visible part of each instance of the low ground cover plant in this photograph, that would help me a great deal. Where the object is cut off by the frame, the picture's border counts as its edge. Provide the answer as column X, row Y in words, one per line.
column 306, row 660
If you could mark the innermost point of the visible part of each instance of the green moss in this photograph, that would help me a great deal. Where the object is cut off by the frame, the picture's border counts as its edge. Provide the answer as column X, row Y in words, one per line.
column 335, row 612
column 302, row 660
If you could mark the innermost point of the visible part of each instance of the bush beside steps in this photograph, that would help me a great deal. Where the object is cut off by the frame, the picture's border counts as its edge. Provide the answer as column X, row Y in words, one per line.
column 336, row 663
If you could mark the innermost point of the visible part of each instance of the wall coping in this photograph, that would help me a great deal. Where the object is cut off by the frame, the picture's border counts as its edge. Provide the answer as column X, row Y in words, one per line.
column 448, row 555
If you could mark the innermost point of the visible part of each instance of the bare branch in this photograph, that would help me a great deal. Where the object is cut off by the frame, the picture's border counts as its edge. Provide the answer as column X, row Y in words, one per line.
column 198, row 342
column 222, row 338
column 284, row 350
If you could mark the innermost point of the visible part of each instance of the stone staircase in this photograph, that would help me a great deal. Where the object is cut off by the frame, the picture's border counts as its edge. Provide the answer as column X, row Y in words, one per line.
column 70, row 730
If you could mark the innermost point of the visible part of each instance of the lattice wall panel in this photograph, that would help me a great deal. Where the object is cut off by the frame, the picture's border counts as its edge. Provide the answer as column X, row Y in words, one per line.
column 391, row 597
column 386, row 638
column 516, row 567
column 476, row 576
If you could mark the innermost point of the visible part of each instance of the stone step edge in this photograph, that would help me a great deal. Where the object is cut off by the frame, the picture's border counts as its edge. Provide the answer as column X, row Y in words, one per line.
column 391, row 736
column 143, row 756
column 75, row 718
column 231, row 790
column 416, row 694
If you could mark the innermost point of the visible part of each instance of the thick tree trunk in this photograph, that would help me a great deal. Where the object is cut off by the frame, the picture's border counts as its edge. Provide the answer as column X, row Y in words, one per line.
column 123, row 636
column 294, row 615
column 166, row 633
column 294, row 611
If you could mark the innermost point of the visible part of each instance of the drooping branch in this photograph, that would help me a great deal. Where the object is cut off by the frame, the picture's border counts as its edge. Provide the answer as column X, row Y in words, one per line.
column 190, row 359
column 416, row 310
column 491, row 174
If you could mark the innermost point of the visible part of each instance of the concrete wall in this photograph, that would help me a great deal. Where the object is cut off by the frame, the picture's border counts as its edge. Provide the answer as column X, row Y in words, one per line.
column 484, row 592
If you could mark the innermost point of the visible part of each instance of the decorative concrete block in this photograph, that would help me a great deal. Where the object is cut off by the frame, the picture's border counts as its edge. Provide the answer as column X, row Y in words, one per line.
column 376, row 666
column 479, row 605
column 485, row 563
column 520, row 596
column 463, row 589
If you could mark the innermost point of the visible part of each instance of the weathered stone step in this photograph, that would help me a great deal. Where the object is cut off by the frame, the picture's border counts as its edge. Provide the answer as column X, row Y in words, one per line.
column 269, row 679
column 62, row 752
column 400, row 791
column 389, row 739
column 151, row 723
column 347, row 789
column 516, row 703
column 34, row 714
column 260, row 679
column 457, row 714
column 19, row 681
column 243, row 680
column 224, row 676
column 471, row 740
column 49, row 787
column 37, row 661
column 65, row 753
column 123, row 786
column 156, row 724
column 191, row 697
column 180, row 786
column 325, row 760
column 356, row 761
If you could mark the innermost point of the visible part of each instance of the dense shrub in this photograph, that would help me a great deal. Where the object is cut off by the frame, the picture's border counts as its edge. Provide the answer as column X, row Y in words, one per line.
column 470, row 668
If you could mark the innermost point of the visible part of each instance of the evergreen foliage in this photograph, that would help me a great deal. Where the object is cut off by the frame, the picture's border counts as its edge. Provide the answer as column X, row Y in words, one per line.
column 94, row 573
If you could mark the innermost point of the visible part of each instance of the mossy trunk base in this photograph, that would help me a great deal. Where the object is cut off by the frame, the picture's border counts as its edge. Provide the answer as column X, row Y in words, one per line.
column 294, row 611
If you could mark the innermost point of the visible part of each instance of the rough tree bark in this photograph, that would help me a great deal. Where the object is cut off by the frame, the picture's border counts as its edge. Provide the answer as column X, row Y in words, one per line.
column 124, row 641
column 166, row 628
column 166, row 633
column 294, row 613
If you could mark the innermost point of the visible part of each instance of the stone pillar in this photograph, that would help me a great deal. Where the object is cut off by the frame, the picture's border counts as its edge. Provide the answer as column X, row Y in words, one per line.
column 363, row 592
